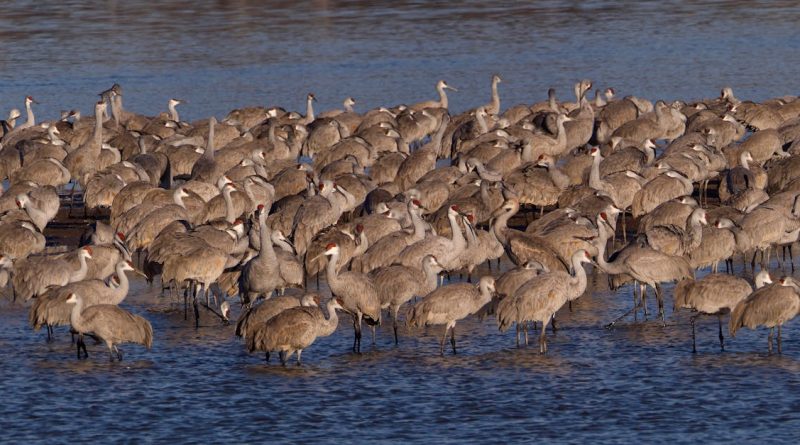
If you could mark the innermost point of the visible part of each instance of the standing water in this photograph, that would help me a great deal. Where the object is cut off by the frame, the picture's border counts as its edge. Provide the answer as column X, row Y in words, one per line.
column 639, row 381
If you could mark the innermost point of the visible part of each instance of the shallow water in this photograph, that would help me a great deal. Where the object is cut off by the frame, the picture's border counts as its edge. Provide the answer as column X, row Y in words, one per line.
column 637, row 382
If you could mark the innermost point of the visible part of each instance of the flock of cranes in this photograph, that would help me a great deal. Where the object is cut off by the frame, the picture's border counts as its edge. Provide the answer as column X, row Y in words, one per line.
column 267, row 200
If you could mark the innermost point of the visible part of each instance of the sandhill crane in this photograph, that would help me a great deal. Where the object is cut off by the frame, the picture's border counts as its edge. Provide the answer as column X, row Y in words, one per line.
column 398, row 284
column 82, row 161
column 33, row 275
column 647, row 266
column 20, row 239
column 357, row 293
column 441, row 103
column 521, row 246
column 662, row 188
column 540, row 298
column 769, row 306
column 448, row 304
column 205, row 169
column 540, row 183
column 676, row 241
column 715, row 294
column 446, row 251
column 110, row 323
column 51, row 309
column 253, row 316
column 261, row 275
column 30, row 121
column 295, row 329
column 43, row 171
column 38, row 216
column 493, row 107
column 386, row 250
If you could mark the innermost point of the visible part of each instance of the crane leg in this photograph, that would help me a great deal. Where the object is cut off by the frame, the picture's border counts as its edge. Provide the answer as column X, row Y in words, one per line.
column 553, row 324
column 543, row 338
column 660, row 299
column 395, row 312
column 525, row 330
column 769, row 339
column 50, row 334
column 282, row 355
column 299, row 353
column 518, row 333
column 444, row 338
column 694, row 341
column 453, row 338
column 266, row 356
column 779, row 339
column 372, row 328
column 721, row 337
column 196, row 309
column 624, row 227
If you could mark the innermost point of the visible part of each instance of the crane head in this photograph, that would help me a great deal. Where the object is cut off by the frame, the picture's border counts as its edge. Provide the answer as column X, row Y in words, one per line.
column 120, row 236
column 338, row 303
column 359, row 229
column 72, row 298
column 87, row 252
column 595, row 152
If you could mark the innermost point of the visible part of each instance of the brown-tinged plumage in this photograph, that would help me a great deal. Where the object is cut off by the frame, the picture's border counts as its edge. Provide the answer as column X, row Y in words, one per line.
column 448, row 304
column 770, row 306
column 110, row 323
column 295, row 329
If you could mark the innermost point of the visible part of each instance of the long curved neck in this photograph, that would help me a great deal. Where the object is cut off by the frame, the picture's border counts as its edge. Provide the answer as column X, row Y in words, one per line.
column 436, row 142
column 80, row 274
column 328, row 325
column 121, row 292
column 116, row 108
column 743, row 161
column 594, row 173
column 31, row 118
column 602, row 241
column 459, row 242
column 578, row 277
column 266, row 250
column 75, row 318
column 561, row 138
column 173, row 113
column 495, row 98
column 209, row 153
column 431, row 276
column 348, row 107
column 230, row 212
column 310, row 110
column 98, row 128
column 500, row 227
column 330, row 270
column 419, row 225
column 442, row 96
